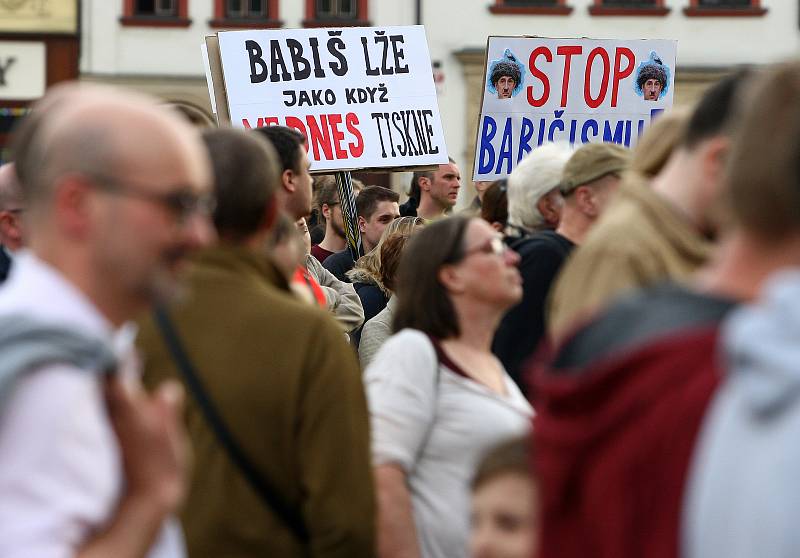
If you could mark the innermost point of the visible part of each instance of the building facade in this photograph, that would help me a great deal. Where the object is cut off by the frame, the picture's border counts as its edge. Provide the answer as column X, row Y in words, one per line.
column 154, row 45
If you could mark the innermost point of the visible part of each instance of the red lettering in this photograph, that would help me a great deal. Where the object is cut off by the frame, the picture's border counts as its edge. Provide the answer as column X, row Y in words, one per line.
column 297, row 124
column 259, row 124
column 271, row 121
column 537, row 73
column 567, row 52
column 334, row 120
column 620, row 74
column 319, row 137
column 351, row 121
column 587, row 93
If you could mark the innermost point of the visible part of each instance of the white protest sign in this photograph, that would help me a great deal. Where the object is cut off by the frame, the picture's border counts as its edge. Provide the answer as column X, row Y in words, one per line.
column 572, row 90
column 364, row 97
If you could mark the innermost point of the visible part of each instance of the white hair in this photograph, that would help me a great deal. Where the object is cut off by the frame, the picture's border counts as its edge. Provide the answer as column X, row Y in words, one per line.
column 534, row 177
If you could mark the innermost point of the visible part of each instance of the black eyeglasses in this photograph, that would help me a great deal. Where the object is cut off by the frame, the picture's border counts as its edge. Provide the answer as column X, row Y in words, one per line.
column 181, row 201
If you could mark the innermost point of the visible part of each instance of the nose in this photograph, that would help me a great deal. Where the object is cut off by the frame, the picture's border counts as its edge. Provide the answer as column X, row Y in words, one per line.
column 198, row 231
column 511, row 257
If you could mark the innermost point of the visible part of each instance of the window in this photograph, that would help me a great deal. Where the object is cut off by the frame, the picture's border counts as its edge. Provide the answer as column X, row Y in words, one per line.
column 335, row 13
column 238, row 14
column 336, row 9
column 628, row 7
column 543, row 7
column 155, row 13
column 158, row 8
column 724, row 8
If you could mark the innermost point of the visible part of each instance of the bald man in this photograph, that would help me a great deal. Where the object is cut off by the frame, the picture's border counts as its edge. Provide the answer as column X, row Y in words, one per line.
column 116, row 192
column 11, row 208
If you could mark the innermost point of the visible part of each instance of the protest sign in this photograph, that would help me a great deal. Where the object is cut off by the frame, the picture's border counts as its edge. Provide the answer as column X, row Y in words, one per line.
column 363, row 97
column 572, row 90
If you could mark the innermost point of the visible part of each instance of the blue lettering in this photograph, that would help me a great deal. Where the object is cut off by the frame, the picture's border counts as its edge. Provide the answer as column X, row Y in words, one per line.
column 505, row 149
column 487, row 134
column 525, row 138
column 586, row 125
column 618, row 131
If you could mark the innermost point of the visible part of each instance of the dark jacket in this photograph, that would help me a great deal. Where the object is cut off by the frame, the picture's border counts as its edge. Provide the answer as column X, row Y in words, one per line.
column 523, row 327
column 618, row 408
column 289, row 388
column 5, row 264
column 409, row 208
column 339, row 264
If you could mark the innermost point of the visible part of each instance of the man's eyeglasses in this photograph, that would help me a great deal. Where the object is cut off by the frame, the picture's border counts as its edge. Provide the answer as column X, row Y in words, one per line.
column 181, row 201
column 495, row 246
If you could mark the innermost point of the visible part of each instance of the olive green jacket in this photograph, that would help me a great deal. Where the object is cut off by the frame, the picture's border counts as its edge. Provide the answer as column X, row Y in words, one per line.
column 289, row 388
column 639, row 240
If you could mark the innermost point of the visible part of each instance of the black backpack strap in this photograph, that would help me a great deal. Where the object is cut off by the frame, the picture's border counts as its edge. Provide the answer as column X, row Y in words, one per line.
column 268, row 495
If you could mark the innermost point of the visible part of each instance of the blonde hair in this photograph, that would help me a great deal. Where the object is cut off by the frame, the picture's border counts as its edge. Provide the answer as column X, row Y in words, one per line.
column 658, row 142
column 370, row 263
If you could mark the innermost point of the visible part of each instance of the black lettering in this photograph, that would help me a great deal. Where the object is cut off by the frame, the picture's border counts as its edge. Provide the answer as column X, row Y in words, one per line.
column 378, row 117
column 258, row 68
column 385, row 69
column 429, row 131
column 389, row 129
column 300, row 65
column 304, row 99
column 292, row 98
column 370, row 70
column 402, row 149
column 335, row 47
column 318, row 71
column 422, row 146
column 276, row 61
column 399, row 55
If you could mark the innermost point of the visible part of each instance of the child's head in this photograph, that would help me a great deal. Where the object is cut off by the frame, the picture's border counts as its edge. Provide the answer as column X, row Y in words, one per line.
column 503, row 508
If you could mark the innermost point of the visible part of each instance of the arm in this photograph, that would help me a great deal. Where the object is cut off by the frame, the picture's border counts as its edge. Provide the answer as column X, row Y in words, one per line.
column 402, row 396
column 333, row 449
column 342, row 299
column 55, row 448
column 154, row 454
column 397, row 534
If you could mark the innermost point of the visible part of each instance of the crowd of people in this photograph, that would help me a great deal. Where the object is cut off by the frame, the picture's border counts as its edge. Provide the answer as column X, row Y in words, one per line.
column 593, row 359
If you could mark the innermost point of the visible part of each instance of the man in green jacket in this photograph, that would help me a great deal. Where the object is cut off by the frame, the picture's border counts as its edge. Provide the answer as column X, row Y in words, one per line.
column 281, row 377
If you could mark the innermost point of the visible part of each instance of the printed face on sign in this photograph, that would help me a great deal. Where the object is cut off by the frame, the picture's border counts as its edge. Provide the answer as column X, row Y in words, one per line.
column 652, row 78
column 506, row 76
column 652, row 90
column 505, row 85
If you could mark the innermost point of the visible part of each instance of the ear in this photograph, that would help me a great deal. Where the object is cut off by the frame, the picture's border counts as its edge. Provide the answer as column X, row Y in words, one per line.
column 584, row 195
column 498, row 226
column 362, row 224
column 715, row 153
column 74, row 202
column 550, row 208
column 326, row 211
column 424, row 183
column 450, row 278
column 287, row 179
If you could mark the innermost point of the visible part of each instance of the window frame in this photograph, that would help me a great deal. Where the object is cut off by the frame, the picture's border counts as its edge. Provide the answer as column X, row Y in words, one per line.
column 130, row 18
column 268, row 21
column 599, row 8
column 501, row 8
column 694, row 9
column 361, row 19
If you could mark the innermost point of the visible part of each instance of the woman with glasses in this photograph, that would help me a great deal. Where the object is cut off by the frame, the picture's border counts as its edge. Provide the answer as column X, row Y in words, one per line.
column 438, row 397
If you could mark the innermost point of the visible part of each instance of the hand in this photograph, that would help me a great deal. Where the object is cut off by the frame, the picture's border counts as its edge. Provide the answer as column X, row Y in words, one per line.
column 152, row 440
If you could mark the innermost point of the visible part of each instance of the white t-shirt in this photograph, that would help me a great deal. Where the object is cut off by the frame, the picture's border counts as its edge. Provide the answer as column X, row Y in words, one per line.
column 437, row 433
column 60, row 467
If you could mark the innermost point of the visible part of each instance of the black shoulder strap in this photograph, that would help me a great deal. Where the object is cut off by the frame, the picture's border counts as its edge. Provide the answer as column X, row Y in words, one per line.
column 260, row 484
